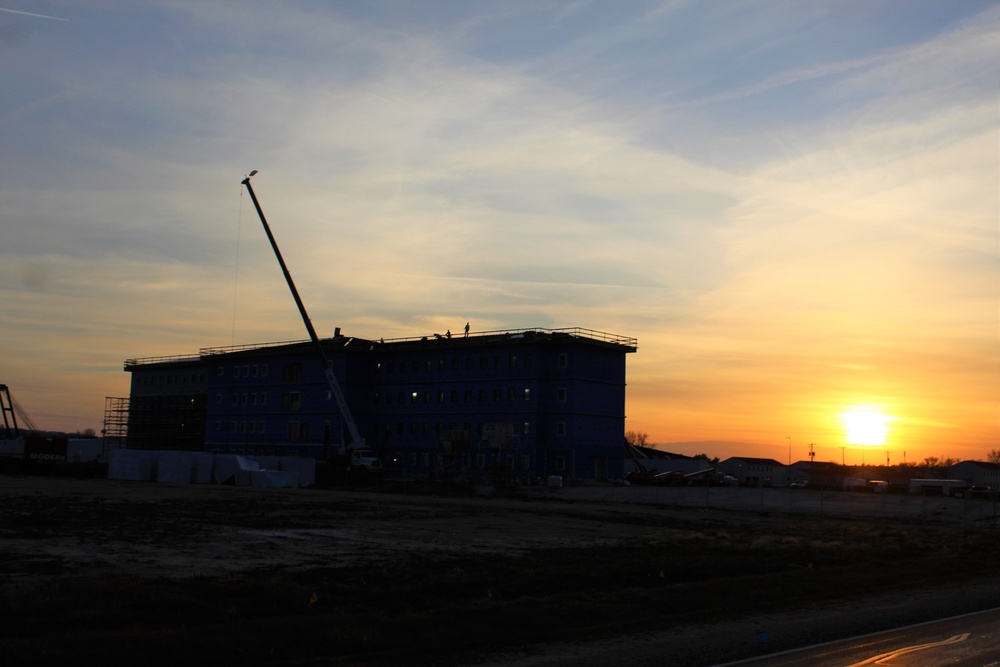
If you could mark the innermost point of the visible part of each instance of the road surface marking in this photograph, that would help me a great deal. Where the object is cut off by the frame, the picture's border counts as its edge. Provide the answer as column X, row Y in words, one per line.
column 885, row 657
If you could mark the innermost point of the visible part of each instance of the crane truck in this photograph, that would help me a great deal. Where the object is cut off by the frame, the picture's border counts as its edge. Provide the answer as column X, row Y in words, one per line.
column 358, row 456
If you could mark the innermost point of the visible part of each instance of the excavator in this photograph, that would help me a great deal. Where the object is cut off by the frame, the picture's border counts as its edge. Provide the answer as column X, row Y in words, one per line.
column 357, row 455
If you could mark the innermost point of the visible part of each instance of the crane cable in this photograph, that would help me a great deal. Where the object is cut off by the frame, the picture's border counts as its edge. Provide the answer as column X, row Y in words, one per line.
column 236, row 272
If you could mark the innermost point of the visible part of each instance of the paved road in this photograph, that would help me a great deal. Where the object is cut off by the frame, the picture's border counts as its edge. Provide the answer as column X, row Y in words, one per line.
column 971, row 640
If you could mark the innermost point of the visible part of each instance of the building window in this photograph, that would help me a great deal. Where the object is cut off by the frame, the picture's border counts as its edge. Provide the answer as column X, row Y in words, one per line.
column 218, row 426
column 526, row 428
column 480, row 460
column 293, row 430
column 482, row 395
column 427, row 459
column 513, row 361
column 413, row 459
column 560, row 463
column 263, row 398
column 525, row 461
column 253, row 370
column 497, row 395
column 427, row 397
column 243, row 399
column 263, row 370
column 293, row 372
column 260, row 427
column 291, row 401
column 563, row 361
column 253, row 399
column 218, row 398
column 441, row 397
column 511, row 394
column 561, row 429
column 236, row 399
column 468, row 395
column 527, row 394
column 527, row 361
column 414, row 397
column 246, row 371
column 561, row 395
column 454, row 395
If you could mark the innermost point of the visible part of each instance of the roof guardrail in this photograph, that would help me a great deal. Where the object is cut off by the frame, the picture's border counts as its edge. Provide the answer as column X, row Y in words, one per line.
column 577, row 332
column 177, row 358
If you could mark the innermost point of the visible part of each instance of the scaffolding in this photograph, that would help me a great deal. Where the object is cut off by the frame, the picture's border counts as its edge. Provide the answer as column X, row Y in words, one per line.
column 115, row 429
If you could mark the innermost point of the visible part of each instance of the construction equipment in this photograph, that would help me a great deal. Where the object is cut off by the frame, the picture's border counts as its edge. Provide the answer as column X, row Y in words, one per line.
column 357, row 443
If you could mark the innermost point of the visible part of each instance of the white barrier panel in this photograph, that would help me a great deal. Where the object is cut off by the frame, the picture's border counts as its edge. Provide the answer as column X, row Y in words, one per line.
column 173, row 467
column 181, row 467
column 135, row 465
column 201, row 467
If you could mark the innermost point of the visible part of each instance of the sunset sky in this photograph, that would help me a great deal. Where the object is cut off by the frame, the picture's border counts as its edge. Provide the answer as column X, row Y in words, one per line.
column 793, row 206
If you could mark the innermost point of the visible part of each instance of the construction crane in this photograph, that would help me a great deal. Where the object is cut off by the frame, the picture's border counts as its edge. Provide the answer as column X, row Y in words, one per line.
column 357, row 442
column 11, row 410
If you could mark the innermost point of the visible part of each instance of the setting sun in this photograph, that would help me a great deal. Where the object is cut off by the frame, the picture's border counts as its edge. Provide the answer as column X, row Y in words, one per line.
column 865, row 425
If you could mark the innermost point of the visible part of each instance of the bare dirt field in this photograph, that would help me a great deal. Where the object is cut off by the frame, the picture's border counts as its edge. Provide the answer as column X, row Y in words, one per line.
column 110, row 572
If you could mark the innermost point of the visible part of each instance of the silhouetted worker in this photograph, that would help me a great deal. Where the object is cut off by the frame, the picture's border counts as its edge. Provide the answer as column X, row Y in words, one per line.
column 466, row 329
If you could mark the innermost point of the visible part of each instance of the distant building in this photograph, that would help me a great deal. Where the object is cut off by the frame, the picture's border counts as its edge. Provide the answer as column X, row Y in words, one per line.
column 977, row 473
column 531, row 402
column 755, row 472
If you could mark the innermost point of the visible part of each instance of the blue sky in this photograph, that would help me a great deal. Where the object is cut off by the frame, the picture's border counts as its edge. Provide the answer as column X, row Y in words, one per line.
column 793, row 206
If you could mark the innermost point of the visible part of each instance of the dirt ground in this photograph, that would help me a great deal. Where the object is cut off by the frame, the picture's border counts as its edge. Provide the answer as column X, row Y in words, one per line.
column 94, row 569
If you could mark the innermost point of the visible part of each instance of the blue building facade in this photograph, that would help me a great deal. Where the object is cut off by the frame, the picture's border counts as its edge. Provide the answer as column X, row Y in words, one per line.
column 527, row 403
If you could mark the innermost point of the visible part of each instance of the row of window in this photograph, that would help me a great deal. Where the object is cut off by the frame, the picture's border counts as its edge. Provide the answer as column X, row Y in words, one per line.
column 411, row 459
column 300, row 430
column 425, row 460
column 453, row 396
column 172, row 378
column 293, row 372
column 246, row 370
column 428, row 366
column 293, row 400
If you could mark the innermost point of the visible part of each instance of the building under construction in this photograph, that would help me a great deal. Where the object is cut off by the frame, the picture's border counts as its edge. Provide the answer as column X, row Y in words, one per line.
column 531, row 403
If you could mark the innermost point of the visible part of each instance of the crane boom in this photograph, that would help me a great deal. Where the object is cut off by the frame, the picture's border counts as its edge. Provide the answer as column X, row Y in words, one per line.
column 345, row 412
